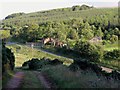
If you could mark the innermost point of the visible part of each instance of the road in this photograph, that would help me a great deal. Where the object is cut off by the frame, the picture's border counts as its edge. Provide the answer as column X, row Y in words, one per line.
column 11, row 43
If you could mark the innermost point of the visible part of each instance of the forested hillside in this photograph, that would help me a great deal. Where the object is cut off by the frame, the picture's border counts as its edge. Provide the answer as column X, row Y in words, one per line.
column 85, row 12
column 65, row 21
column 43, row 16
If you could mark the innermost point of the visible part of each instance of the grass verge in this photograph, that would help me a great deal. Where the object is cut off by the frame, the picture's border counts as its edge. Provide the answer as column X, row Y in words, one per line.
column 64, row 78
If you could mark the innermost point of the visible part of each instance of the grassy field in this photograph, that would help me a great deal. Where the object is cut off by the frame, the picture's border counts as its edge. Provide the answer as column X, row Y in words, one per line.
column 24, row 53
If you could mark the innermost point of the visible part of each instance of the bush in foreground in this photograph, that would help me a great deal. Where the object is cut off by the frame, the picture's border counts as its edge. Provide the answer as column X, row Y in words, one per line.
column 8, row 58
column 39, row 63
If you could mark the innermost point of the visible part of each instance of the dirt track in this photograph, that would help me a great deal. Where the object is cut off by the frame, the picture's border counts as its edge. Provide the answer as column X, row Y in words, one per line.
column 15, row 81
column 45, row 81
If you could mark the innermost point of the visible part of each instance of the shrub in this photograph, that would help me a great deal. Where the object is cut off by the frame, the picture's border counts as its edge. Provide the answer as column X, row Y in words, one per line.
column 8, row 59
column 25, row 64
column 39, row 63
column 104, row 42
column 115, row 54
column 34, row 64
column 91, row 51
column 55, row 62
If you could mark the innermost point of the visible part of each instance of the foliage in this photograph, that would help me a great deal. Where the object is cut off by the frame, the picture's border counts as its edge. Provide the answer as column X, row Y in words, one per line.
column 68, row 25
column 34, row 64
column 65, row 78
column 115, row 54
column 40, row 63
column 91, row 51
column 14, row 15
column 4, row 34
column 98, row 32
column 8, row 59
column 98, row 16
column 73, row 35
column 114, row 38
column 65, row 24
column 71, row 43
column 83, row 7
column 108, row 46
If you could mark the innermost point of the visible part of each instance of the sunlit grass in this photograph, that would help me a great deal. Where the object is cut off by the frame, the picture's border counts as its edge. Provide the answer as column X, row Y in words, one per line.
column 110, row 47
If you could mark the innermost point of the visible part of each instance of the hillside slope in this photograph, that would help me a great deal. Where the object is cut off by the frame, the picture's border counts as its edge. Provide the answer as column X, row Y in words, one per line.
column 62, row 15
